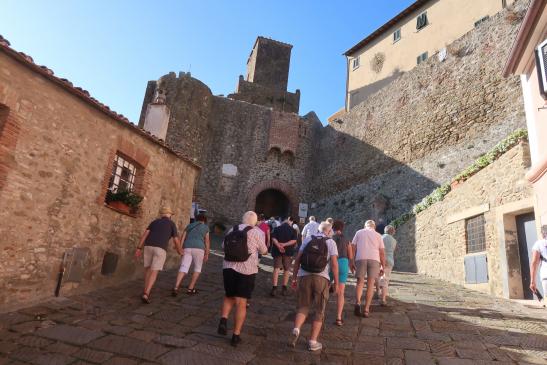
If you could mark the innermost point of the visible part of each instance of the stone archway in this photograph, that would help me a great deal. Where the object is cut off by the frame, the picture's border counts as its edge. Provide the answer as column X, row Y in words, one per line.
column 277, row 185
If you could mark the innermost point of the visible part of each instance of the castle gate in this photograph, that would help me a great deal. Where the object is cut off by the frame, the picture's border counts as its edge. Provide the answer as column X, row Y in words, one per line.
column 273, row 198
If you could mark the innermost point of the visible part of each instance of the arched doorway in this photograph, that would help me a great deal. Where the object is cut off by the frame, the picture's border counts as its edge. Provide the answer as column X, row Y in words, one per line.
column 272, row 203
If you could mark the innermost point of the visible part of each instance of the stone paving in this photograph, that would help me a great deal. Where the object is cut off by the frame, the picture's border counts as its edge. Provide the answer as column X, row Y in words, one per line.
column 427, row 322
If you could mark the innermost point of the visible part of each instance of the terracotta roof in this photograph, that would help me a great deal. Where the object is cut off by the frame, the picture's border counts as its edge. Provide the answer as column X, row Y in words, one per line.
column 378, row 32
column 526, row 29
column 84, row 95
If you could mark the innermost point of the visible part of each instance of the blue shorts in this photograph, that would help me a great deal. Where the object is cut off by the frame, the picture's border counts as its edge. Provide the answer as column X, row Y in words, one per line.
column 343, row 270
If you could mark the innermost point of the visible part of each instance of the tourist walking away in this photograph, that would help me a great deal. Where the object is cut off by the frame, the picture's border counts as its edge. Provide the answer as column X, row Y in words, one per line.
column 195, row 249
column 241, row 247
column 310, row 229
column 345, row 252
column 539, row 258
column 264, row 227
column 317, row 255
column 381, row 226
column 390, row 244
column 284, row 242
column 369, row 263
column 155, row 240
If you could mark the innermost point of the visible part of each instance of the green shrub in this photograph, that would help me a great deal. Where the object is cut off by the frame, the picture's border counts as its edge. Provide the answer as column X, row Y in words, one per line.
column 488, row 158
column 127, row 197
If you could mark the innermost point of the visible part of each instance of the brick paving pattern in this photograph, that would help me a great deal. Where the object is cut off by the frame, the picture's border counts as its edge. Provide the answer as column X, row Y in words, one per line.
column 427, row 322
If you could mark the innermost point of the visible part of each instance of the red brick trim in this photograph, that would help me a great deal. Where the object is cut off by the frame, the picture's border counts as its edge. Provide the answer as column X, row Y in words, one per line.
column 9, row 134
column 276, row 184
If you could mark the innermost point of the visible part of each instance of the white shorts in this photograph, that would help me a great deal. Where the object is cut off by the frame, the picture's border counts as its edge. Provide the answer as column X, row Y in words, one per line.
column 194, row 255
column 383, row 281
column 154, row 257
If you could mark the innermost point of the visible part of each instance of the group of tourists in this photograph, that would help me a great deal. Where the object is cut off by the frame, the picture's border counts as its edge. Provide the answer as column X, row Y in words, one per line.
column 319, row 260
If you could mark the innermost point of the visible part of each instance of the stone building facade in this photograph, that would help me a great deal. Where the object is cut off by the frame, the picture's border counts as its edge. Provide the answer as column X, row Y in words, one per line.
column 57, row 153
column 437, row 242
column 376, row 161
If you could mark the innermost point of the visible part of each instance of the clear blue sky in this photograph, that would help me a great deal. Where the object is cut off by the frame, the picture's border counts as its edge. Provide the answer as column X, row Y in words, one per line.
column 113, row 47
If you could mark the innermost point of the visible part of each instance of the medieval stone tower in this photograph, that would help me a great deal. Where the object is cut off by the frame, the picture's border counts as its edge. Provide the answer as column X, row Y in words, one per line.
column 255, row 150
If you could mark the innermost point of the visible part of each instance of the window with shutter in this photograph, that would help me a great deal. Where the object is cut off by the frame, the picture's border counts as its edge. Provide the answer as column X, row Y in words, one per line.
column 396, row 35
column 421, row 20
column 541, row 66
column 356, row 63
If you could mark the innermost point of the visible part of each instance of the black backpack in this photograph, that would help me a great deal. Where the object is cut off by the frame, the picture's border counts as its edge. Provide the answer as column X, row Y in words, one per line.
column 315, row 255
column 235, row 245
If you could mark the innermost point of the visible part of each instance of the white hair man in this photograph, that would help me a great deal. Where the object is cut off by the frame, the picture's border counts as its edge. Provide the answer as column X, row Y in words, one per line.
column 316, row 257
column 369, row 263
column 539, row 258
column 390, row 245
column 239, row 276
column 310, row 229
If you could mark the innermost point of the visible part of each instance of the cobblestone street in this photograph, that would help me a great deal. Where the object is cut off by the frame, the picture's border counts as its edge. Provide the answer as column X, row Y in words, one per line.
column 427, row 322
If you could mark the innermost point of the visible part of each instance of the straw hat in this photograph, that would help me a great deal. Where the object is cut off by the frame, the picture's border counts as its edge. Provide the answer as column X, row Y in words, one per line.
column 166, row 210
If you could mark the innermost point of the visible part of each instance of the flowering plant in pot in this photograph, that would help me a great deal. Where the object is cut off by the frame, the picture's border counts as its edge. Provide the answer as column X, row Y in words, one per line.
column 123, row 200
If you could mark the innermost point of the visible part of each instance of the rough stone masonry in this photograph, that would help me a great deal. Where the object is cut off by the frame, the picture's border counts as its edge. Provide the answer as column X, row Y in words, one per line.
column 375, row 161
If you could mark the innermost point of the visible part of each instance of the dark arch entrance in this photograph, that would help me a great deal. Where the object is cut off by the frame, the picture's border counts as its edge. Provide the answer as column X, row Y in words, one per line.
column 272, row 203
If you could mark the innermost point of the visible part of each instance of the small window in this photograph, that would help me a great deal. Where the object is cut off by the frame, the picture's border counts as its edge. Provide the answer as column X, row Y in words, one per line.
column 356, row 62
column 123, row 175
column 481, row 20
column 504, row 3
column 421, row 58
column 4, row 110
column 421, row 21
column 397, row 35
column 474, row 234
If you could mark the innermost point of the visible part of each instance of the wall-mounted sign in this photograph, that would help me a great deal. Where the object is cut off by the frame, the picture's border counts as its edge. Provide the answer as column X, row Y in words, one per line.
column 303, row 210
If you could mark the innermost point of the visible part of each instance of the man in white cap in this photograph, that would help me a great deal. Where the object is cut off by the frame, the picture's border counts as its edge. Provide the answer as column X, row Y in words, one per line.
column 155, row 240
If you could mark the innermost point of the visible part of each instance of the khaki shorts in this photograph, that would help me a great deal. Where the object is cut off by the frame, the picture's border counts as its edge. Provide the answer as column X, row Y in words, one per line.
column 367, row 268
column 283, row 261
column 154, row 257
column 313, row 291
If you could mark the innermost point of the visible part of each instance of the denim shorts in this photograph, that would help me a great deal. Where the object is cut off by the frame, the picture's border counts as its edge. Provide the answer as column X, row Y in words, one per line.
column 343, row 270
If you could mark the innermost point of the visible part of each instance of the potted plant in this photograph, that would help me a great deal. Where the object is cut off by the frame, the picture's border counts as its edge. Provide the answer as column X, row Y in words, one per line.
column 124, row 201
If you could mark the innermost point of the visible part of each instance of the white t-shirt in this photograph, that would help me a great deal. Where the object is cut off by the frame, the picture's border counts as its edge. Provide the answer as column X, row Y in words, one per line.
column 367, row 244
column 310, row 229
column 541, row 247
column 333, row 251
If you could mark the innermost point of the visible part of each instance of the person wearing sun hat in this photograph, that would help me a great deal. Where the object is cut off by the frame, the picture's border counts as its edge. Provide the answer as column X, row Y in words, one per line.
column 153, row 247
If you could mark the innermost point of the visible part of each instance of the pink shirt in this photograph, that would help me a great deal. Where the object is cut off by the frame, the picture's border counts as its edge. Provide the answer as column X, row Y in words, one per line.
column 255, row 243
column 367, row 244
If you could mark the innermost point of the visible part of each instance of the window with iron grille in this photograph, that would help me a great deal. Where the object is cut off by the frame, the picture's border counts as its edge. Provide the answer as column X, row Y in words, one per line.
column 481, row 20
column 474, row 234
column 421, row 21
column 123, row 175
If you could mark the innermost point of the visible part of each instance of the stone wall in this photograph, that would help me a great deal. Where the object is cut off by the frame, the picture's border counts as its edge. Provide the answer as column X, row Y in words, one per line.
column 434, row 242
column 257, row 94
column 56, row 156
column 421, row 129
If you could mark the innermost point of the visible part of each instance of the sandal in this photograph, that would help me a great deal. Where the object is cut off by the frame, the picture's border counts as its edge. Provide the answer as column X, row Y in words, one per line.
column 339, row 322
column 366, row 314
column 191, row 291
column 175, row 292
column 357, row 310
column 145, row 298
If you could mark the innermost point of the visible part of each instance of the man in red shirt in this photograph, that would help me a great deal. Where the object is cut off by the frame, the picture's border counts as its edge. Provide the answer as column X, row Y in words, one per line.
column 265, row 228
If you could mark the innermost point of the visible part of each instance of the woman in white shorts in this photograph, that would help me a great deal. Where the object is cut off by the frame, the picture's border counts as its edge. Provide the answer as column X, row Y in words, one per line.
column 195, row 248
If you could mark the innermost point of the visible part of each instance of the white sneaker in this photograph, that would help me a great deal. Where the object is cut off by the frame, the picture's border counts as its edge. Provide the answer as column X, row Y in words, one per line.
column 314, row 346
column 294, row 337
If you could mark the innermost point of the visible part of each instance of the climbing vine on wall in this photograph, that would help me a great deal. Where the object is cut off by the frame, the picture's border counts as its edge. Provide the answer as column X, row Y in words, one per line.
column 488, row 158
